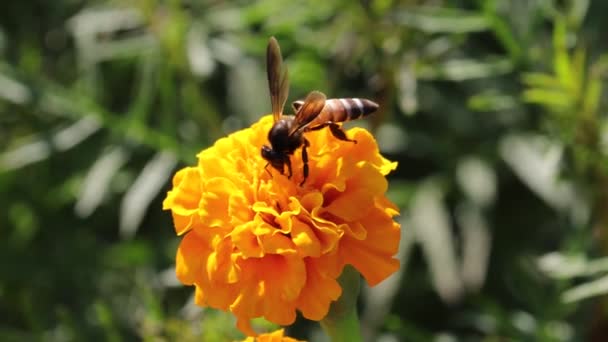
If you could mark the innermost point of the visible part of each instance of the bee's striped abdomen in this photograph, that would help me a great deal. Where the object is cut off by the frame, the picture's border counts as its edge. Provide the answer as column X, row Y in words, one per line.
column 341, row 110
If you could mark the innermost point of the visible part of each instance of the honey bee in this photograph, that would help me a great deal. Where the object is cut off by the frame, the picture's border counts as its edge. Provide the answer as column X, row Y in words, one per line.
column 313, row 113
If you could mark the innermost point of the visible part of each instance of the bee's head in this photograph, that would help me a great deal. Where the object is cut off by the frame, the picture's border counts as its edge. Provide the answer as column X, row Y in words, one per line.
column 273, row 158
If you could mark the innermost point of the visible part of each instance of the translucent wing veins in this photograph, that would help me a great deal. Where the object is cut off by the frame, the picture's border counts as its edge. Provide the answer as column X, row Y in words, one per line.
column 278, row 80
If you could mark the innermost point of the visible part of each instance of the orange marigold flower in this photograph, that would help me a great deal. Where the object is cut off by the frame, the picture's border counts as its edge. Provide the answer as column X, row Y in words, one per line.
column 275, row 336
column 260, row 245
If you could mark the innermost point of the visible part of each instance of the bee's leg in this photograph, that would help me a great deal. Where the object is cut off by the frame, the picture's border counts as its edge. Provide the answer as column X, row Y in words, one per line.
column 288, row 162
column 305, row 160
column 335, row 129
column 338, row 132
column 266, row 168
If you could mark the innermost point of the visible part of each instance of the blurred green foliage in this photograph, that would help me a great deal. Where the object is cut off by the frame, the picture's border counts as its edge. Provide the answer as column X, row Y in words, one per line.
column 495, row 111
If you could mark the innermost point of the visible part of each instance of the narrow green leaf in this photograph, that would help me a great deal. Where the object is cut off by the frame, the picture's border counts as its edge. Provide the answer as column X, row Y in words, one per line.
column 591, row 99
column 550, row 98
column 97, row 182
column 577, row 12
column 146, row 186
column 40, row 147
column 578, row 72
column 491, row 101
column 442, row 20
column 589, row 289
column 502, row 30
column 561, row 59
column 465, row 69
column 541, row 80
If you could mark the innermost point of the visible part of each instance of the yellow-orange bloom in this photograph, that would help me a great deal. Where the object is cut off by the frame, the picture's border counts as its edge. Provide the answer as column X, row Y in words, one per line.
column 275, row 336
column 260, row 245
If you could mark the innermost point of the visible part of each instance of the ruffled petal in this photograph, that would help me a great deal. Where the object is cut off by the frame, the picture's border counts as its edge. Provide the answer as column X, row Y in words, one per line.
column 321, row 288
column 183, row 199
column 373, row 257
column 191, row 258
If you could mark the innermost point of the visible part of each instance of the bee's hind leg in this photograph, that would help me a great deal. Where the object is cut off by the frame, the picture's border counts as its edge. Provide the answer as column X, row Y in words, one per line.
column 335, row 129
column 338, row 132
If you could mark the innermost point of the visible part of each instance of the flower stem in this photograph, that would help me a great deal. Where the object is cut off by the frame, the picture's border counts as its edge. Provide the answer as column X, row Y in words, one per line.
column 342, row 323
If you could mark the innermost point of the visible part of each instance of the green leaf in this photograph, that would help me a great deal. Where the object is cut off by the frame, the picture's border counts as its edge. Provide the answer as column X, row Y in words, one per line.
column 577, row 12
column 97, row 182
column 578, row 72
column 561, row 59
column 502, row 30
column 592, row 96
column 465, row 69
column 491, row 100
column 144, row 189
column 442, row 20
column 589, row 289
column 542, row 80
column 551, row 98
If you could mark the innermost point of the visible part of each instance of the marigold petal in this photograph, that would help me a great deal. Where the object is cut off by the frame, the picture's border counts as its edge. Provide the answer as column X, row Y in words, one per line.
column 191, row 258
column 386, row 167
column 263, row 207
column 277, row 243
column 214, row 296
column 273, row 283
column 327, row 231
column 383, row 232
column 220, row 263
column 275, row 336
column 321, row 288
column 374, row 267
column 238, row 209
column 309, row 201
column 356, row 230
column 372, row 257
column 354, row 203
column 389, row 207
column 304, row 237
column 200, row 297
column 215, row 202
column 248, row 304
column 244, row 325
column 244, row 238
column 367, row 150
column 182, row 224
column 183, row 199
column 285, row 276
column 213, row 162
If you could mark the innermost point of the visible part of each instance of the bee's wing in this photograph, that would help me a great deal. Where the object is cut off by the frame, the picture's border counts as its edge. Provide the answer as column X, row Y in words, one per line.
column 278, row 82
column 309, row 110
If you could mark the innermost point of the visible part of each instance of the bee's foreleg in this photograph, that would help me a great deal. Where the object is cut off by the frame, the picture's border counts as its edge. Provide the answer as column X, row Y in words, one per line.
column 305, row 160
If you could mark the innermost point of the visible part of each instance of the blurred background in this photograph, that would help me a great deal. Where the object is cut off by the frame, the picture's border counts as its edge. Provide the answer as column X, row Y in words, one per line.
column 495, row 111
